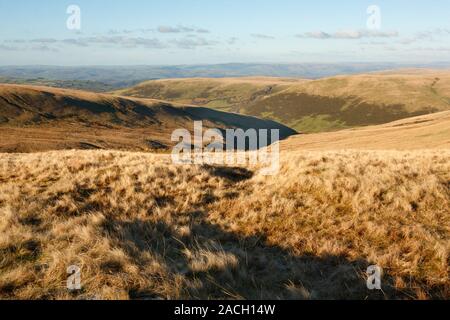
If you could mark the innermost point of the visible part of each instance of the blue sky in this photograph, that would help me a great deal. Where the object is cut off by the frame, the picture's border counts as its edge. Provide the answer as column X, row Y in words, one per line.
column 119, row 32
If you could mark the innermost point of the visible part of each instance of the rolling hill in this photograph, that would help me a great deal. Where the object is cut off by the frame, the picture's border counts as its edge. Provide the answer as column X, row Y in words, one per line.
column 41, row 118
column 141, row 227
column 327, row 104
column 87, row 85
column 422, row 132
column 229, row 94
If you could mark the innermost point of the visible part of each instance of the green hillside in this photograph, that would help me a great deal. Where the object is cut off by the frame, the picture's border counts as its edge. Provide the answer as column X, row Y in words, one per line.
column 312, row 105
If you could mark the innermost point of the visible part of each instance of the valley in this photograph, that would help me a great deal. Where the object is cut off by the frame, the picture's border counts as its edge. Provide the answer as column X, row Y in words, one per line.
column 87, row 179
column 310, row 106
column 43, row 119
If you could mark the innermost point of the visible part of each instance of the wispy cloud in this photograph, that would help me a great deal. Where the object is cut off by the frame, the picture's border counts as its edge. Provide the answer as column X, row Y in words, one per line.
column 349, row 34
column 427, row 35
column 80, row 42
column 430, row 34
column 201, row 30
column 120, row 41
column 17, row 41
column 123, row 41
column 374, row 43
column 160, row 29
column 232, row 40
column 192, row 43
column 262, row 36
column 433, row 49
column 8, row 48
column 181, row 29
column 44, row 48
column 129, row 31
column 167, row 29
column 44, row 40
column 189, row 41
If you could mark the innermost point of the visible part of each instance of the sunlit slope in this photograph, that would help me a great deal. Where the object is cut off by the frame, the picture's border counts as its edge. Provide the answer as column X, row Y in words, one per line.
column 229, row 94
column 429, row 131
column 314, row 106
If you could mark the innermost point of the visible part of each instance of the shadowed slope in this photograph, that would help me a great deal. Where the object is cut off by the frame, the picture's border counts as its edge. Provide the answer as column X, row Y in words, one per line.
column 41, row 118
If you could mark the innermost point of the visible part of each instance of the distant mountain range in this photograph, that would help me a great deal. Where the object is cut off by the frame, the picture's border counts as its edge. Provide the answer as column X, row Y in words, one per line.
column 105, row 78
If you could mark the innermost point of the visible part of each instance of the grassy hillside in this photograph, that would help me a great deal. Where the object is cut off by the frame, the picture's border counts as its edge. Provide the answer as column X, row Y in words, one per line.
column 314, row 105
column 229, row 94
column 42, row 118
column 142, row 228
column 429, row 131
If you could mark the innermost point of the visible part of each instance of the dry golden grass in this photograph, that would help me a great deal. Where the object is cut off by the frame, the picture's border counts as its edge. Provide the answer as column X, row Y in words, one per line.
column 142, row 228
column 424, row 132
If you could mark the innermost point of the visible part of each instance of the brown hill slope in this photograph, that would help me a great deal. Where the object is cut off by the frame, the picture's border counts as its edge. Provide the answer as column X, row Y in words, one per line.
column 41, row 118
column 314, row 106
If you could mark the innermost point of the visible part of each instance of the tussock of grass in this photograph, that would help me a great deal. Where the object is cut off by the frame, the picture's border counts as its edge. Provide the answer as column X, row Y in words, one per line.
column 142, row 228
